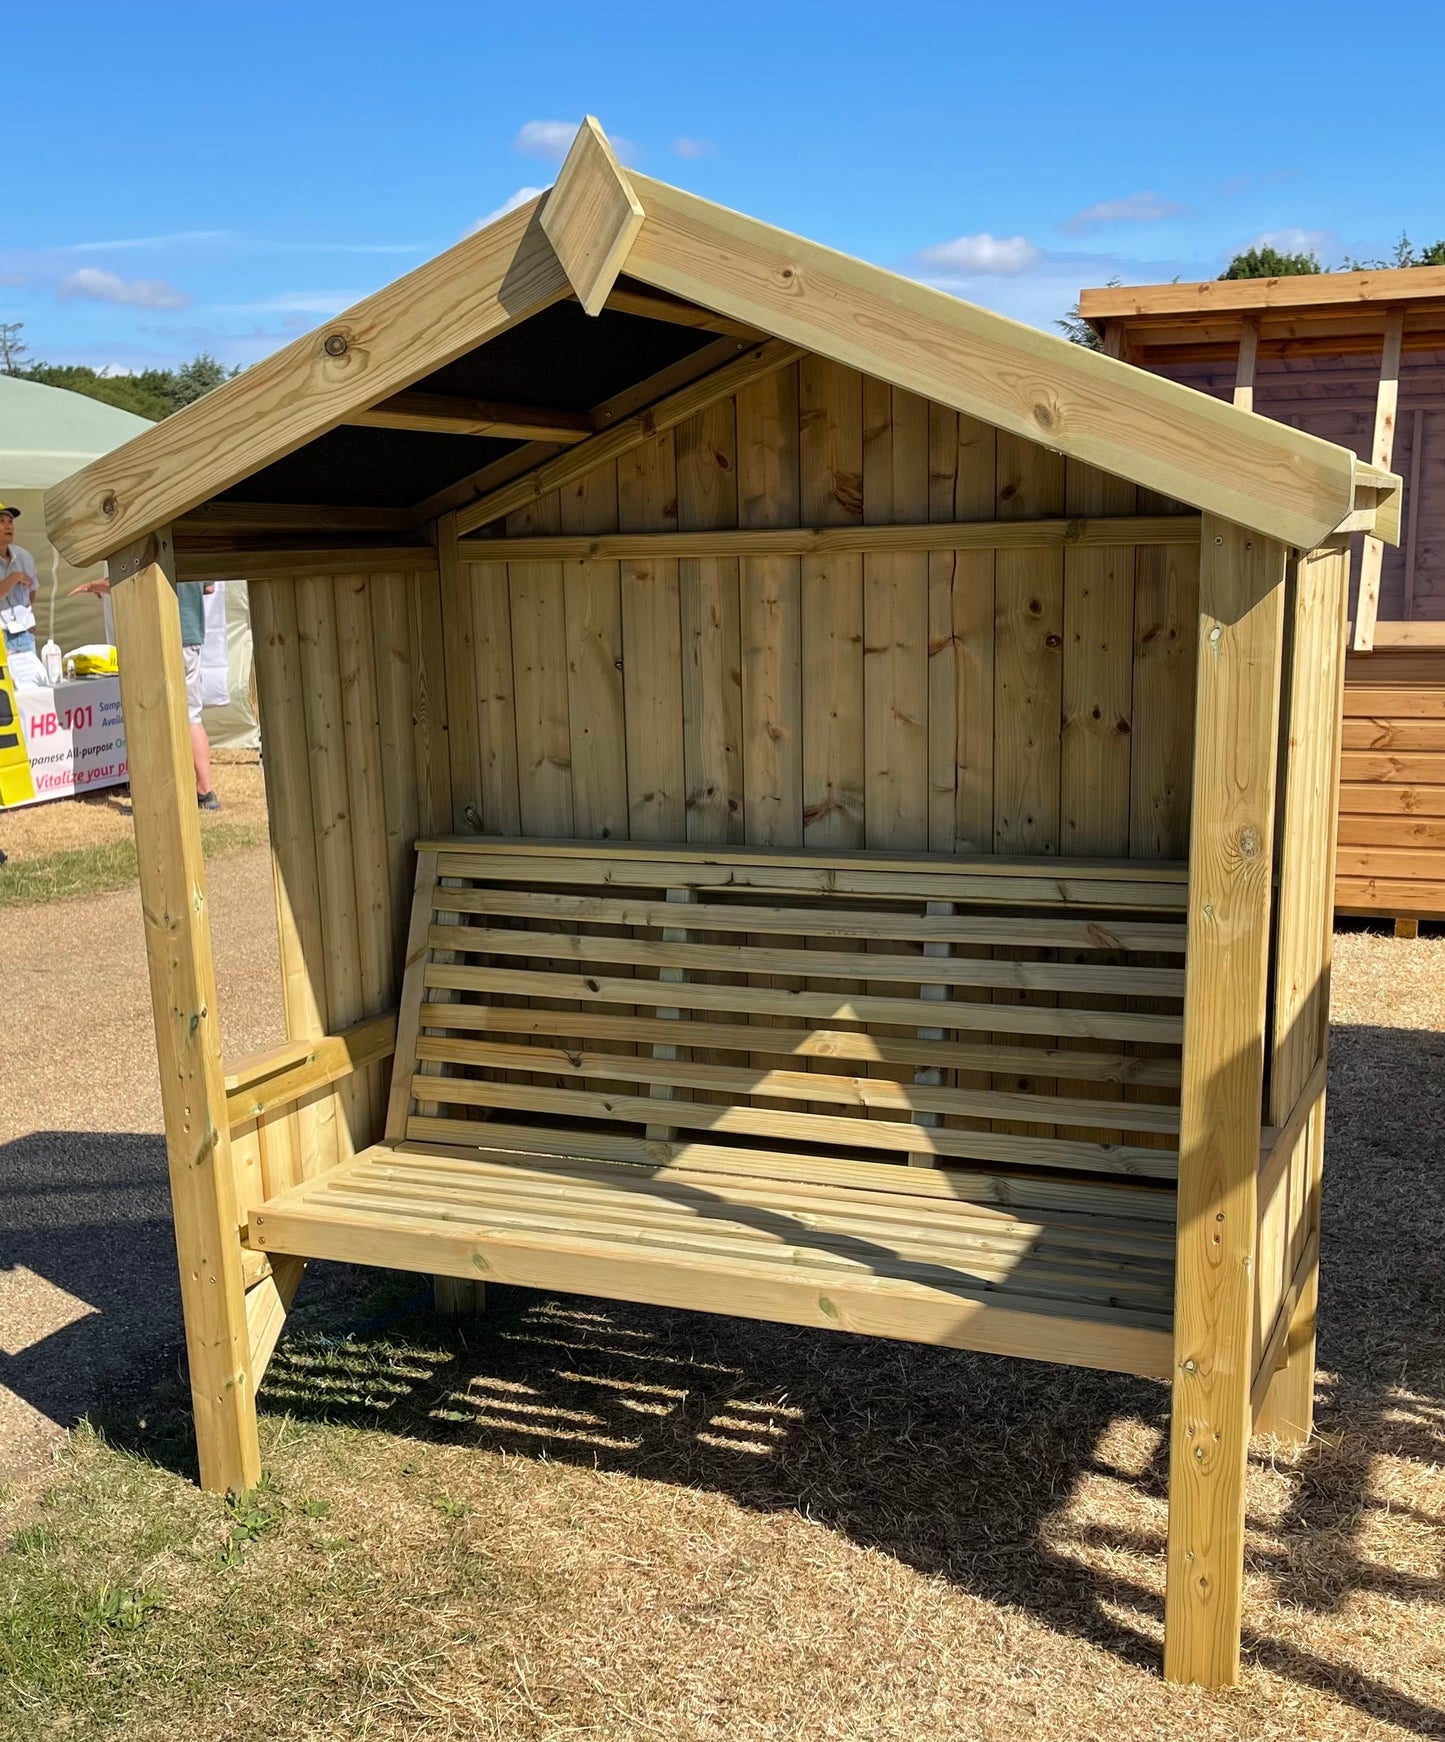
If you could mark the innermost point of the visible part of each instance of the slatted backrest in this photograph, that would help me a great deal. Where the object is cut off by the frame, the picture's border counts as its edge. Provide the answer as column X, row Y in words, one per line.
column 634, row 1001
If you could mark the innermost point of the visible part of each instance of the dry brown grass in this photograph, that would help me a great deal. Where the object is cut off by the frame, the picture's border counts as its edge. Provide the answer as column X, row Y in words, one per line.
column 576, row 1519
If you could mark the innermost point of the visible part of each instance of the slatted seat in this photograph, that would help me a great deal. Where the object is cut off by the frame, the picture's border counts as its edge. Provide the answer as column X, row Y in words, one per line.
column 920, row 1097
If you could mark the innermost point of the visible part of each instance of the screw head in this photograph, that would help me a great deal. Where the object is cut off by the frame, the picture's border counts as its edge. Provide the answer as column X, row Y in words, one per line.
column 336, row 345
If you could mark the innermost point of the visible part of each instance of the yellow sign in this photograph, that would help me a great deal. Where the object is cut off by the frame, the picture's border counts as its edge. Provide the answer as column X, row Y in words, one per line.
column 16, row 784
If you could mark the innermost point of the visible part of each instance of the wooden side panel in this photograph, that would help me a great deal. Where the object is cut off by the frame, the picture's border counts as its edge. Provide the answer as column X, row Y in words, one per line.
column 652, row 648
column 540, row 680
column 596, row 716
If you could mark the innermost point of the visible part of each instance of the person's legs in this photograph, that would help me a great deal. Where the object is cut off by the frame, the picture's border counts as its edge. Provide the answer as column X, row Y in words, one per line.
column 200, row 744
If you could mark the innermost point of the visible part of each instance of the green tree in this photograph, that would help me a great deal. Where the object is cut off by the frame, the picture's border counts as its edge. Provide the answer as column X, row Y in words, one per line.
column 1270, row 263
column 1077, row 330
column 13, row 349
column 152, row 393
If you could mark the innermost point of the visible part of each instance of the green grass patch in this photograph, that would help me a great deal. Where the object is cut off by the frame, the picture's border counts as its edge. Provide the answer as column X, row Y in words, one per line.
column 80, row 871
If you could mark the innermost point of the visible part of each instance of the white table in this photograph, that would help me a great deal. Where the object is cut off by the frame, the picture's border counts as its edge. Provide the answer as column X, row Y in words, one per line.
column 75, row 736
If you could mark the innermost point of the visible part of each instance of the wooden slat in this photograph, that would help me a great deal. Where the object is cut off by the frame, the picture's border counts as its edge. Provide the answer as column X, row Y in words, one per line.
column 538, row 614
column 1241, row 618
column 1276, row 1345
column 185, row 1012
column 413, row 992
column 846, row 922
column 491, row 607
column 626, row 298
column 267, row 565
column 1382, row 447
column 434, row 773
column 816, row 964
column 652, row 649
column 274, row 1079
column 823, row 1043
column 595, row 710
column 393, row 660
column 1410, row 733
column 819, row 538
column 663, row 1067
column 832, row 1007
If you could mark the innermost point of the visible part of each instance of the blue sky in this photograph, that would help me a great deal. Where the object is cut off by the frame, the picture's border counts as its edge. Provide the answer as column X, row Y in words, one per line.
column 222, row 177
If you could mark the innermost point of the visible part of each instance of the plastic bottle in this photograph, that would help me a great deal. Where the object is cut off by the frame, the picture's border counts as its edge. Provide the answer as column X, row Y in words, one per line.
column 50, row 659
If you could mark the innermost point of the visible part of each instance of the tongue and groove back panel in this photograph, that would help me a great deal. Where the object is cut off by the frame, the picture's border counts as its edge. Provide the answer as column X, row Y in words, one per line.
column 1023, row 701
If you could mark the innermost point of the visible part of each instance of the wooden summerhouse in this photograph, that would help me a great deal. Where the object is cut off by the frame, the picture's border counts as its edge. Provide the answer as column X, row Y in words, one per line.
column 1359, row 358
column 791, row 796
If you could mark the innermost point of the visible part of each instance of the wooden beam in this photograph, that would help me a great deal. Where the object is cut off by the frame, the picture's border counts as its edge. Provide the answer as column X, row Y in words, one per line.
column 641, row 394
column 630, row 433
column 1412, row 512
column 259, row 1084
column 655, row 305
column 1277, row 1142
column 267, row 1303
column 1244, row 368
column 442, row 414
column 1241, row 617
column 183, row 1001
column 238, row 563
column 212, row 522
column 1311, row 290
column 1258, row 473
column 1287, row 1328
column 1164, row 529
column 485, row 284
column 1367, row 601
column 592, row 216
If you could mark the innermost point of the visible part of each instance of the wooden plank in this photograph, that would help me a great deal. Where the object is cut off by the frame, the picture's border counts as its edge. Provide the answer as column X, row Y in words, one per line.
column 1165, row 653
column 1277, row 1343
column 829, row 1007
column 312, row 1138
column 815, row 963
column 876, row 1306
column 491, row 601
column 460, row 654
column 1244, row 369
column 946, row 926
column 540, row 681
column 1393, row 703
column 1396, row 831
column 185, row 1011
column 1382, row 733
column 595, row 713
column 486, row 283
column 652, row 649
column 623, row 434
column 1117, row 1068
column 335, row 859
column 830, row 482
column 661, row 1087
column 413, row 992
column 391, row 631
column 821, row 538
column 1277, row 1143
column 361, row 720
column 257, row 1086
column 1398, row 864
column 1423, row 767
column 635, row 299
column 1412, row 513
column 1371, row 798
column 211, row 523
column 1129, row 423
column 1231, row 855
column 267, row 1305
column 443, row 414
column 895, row 622
column 712, row 696
column 1382, row 447
column 1234, row 295
column 1420, row 898
column 268, row 565
column 592, row 216
column 434, row 772
column 770, row 613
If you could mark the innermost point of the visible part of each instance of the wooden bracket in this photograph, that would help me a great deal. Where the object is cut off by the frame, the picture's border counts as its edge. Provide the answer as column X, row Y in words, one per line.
column 592, row 217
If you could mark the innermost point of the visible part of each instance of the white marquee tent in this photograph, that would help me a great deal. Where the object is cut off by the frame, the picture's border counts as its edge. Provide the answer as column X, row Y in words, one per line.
column 46, row 434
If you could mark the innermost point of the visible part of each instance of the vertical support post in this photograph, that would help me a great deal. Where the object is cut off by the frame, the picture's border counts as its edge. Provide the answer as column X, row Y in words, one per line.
column 1241, row 620
column 1367, row 603
column 183, row 1003
column 671, row 934
column 1412, row 512
column 929, row 1076
column 1305, row 933
column 1244, row 368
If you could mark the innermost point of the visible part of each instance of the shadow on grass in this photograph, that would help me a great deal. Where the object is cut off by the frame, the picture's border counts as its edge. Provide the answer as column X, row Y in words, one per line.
column 962, row 1466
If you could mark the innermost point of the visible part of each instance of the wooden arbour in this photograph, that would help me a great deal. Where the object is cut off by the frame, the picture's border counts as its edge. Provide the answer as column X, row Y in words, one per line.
column 789, row 795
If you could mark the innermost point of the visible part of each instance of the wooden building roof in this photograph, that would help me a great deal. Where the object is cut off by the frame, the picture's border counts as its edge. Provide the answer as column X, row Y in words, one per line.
column 564, row 331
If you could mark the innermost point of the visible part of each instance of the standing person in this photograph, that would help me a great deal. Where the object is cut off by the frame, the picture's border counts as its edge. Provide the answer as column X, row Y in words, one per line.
column 18, row 587
column 192, row 597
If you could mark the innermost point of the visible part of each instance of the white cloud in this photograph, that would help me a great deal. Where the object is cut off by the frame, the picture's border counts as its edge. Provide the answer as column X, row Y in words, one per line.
column 1006, row 255
column 686, row 147
column 92, row 284
column 550, row 140
column 297, row 302
column 1293, row 241
column 509, row 204
column 1136, row 209
column 145, row 241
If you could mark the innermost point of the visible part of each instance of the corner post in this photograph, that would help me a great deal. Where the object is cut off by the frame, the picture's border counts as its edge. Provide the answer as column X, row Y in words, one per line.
column 1241, row 620
column 183, row 1004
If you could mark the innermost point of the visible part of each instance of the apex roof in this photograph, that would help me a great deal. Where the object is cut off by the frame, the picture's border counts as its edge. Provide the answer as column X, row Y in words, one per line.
column 692, row 298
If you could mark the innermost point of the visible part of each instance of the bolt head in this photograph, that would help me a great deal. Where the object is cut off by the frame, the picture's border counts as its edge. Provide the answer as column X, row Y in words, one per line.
column 336, row 345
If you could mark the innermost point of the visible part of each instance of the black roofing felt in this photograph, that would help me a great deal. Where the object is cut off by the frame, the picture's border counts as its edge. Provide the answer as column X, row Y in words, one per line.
column 562, row 359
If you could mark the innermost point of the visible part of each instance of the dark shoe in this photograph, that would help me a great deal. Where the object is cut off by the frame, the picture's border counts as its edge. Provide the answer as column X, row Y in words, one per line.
column 208, row 801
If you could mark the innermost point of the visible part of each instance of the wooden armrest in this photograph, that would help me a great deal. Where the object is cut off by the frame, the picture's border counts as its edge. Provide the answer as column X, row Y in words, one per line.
column 263, row 1081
